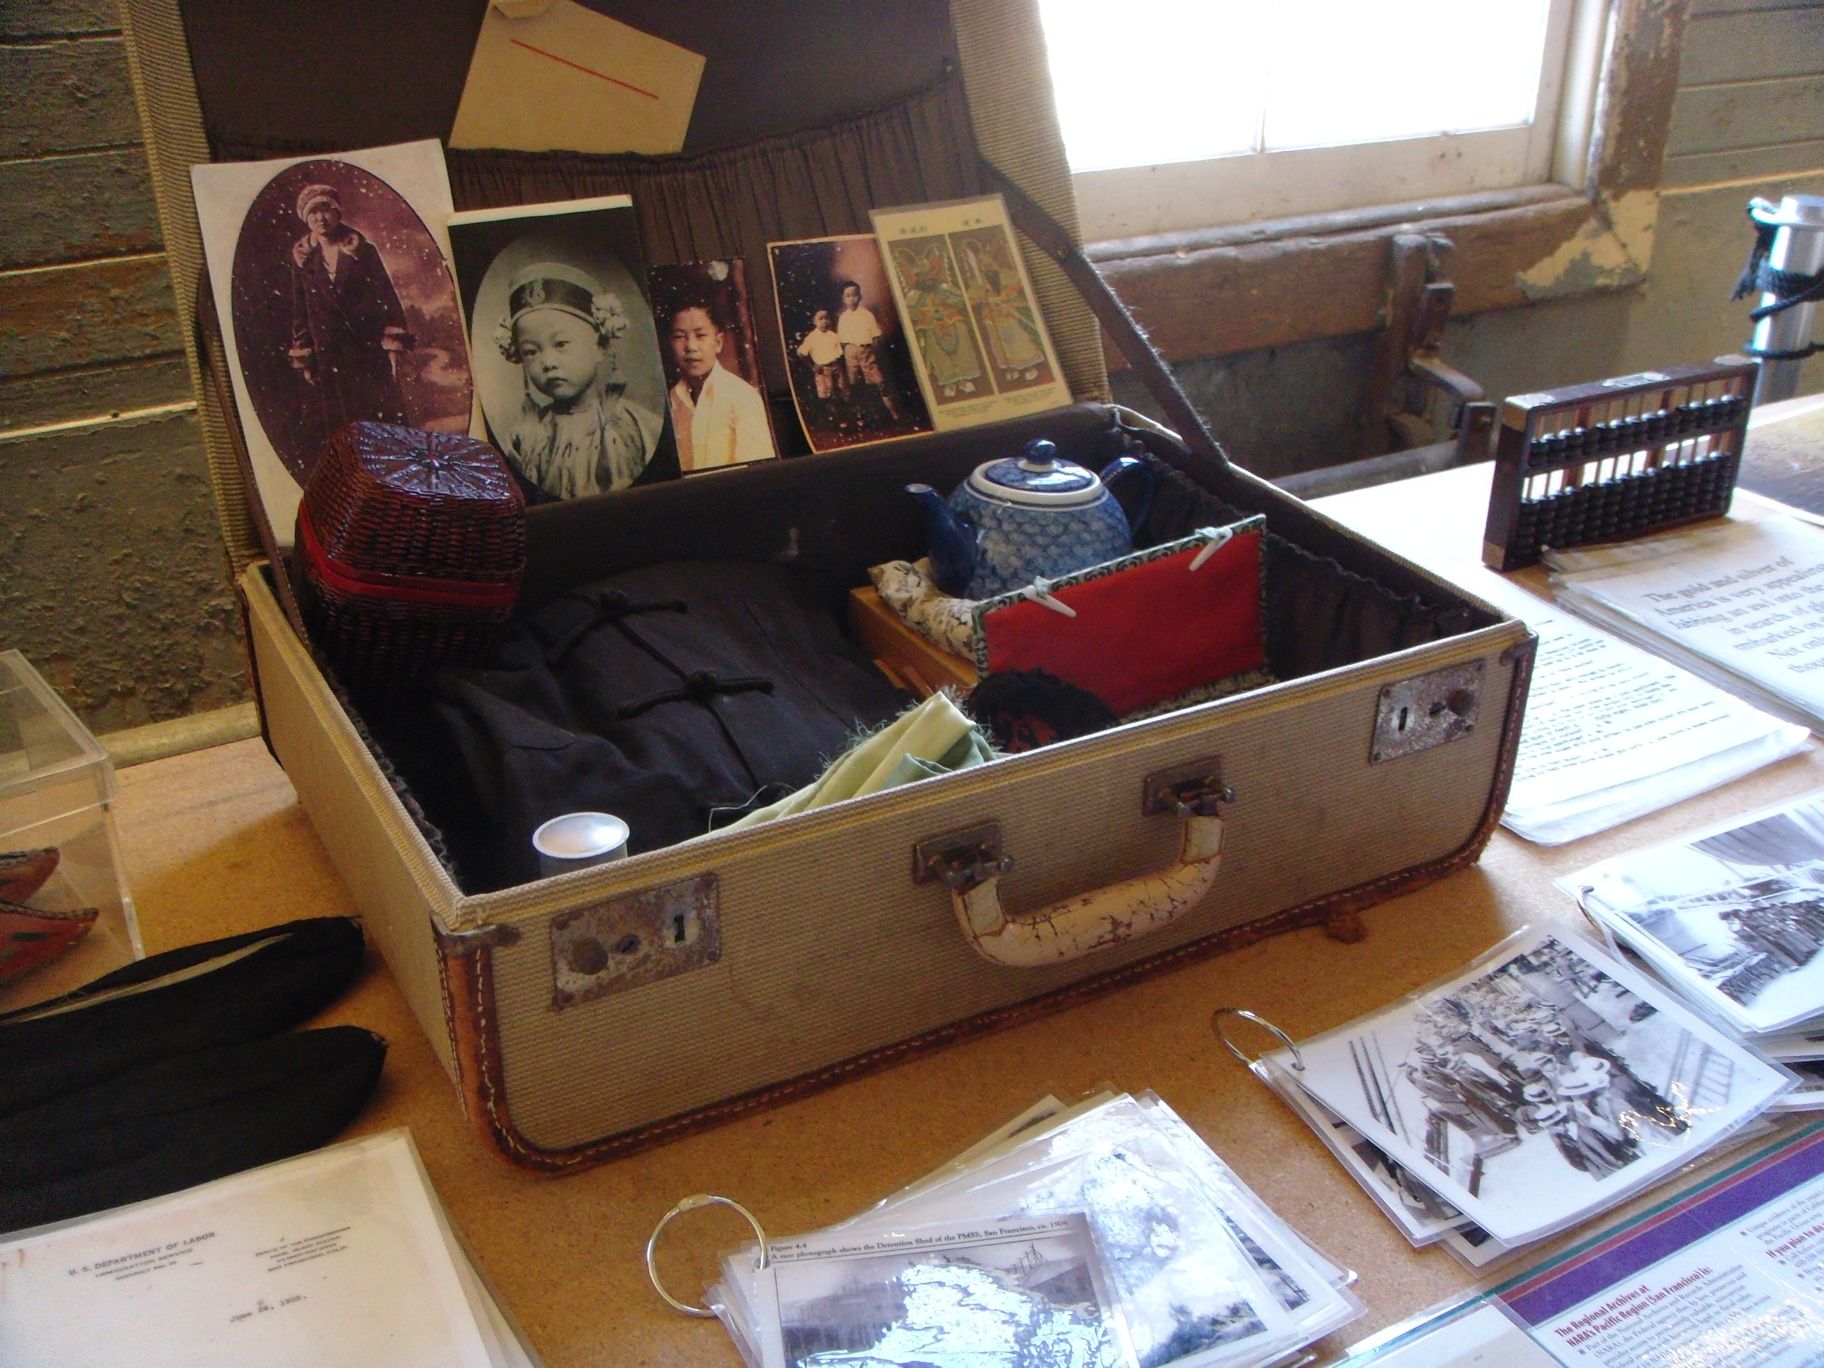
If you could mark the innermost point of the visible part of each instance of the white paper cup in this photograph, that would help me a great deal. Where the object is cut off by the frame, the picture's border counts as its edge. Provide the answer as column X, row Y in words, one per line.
column 579, row 839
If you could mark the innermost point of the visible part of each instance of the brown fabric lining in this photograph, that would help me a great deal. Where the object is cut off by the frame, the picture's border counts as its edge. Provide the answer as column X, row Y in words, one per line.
column 1320, row 614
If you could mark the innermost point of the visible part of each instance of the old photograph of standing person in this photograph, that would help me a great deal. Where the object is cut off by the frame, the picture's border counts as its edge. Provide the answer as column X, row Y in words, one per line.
column 334, row 294
column 845, row 346
column 980, row 347
column 567, row 359
column 712, row 364
column 1540, row 1086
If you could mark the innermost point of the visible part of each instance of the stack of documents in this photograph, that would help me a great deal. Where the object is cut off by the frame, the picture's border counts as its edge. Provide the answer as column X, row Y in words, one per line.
column 1738, row 602
column 1105, row 1233
column 1541, row 1085
column 341, row 1256
column 1732, row 919
column 1613, row 732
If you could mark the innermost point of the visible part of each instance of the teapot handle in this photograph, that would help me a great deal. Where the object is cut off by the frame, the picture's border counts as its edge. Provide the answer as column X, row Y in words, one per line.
column 1133, row 483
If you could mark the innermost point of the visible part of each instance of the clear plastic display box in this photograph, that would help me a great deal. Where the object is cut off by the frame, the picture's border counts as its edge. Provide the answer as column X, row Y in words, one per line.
column 57, row 793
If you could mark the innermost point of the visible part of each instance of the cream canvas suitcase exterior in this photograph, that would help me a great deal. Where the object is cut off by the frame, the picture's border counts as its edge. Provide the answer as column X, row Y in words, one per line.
column 590, row 1014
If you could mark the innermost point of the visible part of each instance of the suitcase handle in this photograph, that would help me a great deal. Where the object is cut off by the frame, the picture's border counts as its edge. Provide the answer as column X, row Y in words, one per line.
column 971, row 864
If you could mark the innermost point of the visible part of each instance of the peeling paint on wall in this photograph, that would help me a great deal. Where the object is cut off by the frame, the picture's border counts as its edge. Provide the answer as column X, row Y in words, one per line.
column 1612, row 251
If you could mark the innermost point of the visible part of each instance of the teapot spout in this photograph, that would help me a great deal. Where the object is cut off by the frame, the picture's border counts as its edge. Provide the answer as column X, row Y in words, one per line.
column 949, row 541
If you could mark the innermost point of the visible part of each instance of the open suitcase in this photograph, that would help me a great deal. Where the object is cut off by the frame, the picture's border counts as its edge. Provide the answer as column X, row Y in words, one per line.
column 788, row 957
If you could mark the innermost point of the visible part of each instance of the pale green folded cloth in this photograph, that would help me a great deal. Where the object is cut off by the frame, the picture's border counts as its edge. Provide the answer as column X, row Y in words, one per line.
column 933, row 738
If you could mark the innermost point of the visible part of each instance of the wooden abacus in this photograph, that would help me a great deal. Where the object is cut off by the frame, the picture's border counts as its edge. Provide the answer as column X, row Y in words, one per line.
column 1616, row 459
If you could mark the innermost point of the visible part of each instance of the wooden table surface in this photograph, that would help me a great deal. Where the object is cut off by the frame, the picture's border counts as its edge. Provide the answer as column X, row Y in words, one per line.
column 215, row 843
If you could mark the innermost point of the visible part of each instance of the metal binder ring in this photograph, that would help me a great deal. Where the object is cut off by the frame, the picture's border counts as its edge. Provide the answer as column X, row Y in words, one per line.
column 1298, row 1057
column 1583, row 906
column 695, row 1202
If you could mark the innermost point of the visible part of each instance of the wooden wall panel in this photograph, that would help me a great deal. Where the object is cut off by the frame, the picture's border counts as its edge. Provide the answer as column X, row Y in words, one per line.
column 66, row 95
column 1746, row 114
column 115, row 584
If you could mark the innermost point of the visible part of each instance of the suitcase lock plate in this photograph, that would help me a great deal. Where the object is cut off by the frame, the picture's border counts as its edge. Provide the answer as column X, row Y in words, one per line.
column 1427, row 710
column 635, row 939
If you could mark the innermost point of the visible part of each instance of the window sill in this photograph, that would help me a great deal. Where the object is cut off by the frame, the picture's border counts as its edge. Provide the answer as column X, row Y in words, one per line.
column 1216, row 291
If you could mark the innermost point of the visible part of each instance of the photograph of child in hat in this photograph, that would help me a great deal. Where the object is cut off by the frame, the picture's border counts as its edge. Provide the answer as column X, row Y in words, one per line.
column 706, row 334
column 567, row 360
column 859, row 392
column 344, row 309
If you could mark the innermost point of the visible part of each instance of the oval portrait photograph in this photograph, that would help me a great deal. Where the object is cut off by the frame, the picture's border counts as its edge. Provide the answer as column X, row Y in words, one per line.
column 344, row 309
column 566, row 355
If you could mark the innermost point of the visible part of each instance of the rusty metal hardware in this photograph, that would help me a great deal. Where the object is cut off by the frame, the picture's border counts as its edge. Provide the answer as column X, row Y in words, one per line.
column 1416, row 714
column 635, row 939
column 1408, row 364
column 961, row 860
column 1189, row 790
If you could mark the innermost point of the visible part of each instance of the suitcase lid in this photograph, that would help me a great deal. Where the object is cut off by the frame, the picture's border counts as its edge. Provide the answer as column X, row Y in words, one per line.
column 274, row 81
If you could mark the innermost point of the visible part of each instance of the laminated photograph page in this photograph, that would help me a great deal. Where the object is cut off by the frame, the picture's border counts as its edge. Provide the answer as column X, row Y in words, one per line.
column 1539, row 1086
column 1201, row 1272
column 989, row 1292
column 1204, row 1274
column 1196, row 1299
column 333, row 290
column 979, row 343
column 1732, row 916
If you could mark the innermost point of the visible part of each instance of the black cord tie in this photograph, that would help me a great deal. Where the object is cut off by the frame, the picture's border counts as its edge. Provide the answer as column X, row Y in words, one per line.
column 699, row 686
column 1788, row 288
column 607, row 608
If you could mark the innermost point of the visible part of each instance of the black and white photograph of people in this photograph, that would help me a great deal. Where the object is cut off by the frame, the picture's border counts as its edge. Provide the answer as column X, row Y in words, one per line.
column 1732, row 916
column 1538, row 1087
column 566, row 355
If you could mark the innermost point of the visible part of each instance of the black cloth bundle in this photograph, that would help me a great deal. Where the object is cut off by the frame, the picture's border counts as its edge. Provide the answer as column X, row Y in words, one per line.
column 172, row 1071
column 677, row 696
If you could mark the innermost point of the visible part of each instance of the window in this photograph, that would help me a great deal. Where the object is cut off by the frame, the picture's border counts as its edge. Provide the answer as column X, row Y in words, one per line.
column 1181, row 114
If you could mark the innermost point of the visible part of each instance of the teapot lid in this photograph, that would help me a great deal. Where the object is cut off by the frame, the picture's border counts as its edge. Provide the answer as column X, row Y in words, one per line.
column 1037, row 478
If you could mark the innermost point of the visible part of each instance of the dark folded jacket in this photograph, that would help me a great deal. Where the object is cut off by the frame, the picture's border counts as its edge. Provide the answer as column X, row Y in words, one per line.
column 177, row 1122
column 678, row 696
column 220, row 992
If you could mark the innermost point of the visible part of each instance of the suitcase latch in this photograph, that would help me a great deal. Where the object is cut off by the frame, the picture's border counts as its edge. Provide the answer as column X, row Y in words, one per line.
column 635, row 939
column 1428, row 710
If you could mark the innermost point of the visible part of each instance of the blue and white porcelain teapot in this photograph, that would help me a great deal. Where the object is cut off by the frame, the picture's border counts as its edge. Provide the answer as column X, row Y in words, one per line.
column 1027, row 517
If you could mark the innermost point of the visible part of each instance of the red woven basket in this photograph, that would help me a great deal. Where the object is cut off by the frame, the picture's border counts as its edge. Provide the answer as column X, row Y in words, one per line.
column 409, row 553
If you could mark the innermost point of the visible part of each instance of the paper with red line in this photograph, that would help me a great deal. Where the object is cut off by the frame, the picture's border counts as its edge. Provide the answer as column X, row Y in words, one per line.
column 601, row 86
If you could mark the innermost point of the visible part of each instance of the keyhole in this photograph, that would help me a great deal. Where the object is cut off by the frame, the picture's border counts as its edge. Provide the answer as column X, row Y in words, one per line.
column 1400, row 725
column 677, row 928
